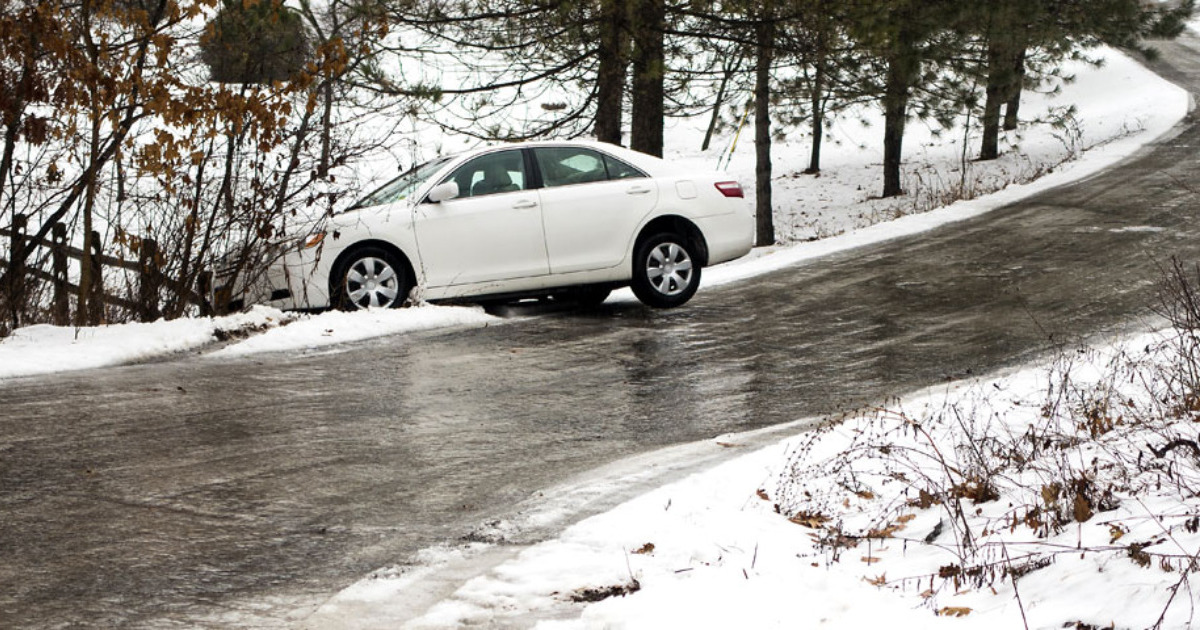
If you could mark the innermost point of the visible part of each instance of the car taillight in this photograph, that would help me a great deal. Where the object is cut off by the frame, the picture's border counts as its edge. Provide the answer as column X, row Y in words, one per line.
column 730, row 189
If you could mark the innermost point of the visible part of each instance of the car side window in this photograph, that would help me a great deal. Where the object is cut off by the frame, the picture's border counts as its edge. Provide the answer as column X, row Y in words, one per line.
column 494, row 173
column 620, row 170
column 566, row 166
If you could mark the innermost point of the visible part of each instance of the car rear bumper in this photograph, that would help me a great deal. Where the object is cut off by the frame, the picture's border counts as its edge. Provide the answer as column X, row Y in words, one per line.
column 729, row 236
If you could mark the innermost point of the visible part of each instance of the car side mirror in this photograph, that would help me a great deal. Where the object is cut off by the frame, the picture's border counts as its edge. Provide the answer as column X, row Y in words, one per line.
column 443, row 191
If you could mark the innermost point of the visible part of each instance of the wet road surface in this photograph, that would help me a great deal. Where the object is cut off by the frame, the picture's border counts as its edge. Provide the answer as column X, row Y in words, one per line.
column 198, row 492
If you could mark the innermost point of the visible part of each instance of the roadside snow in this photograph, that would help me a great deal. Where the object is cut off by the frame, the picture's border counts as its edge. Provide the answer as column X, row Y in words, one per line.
column 335, row 327
column 47, row 349
column 44, row 349
column 1120, row 106
column 781, row 535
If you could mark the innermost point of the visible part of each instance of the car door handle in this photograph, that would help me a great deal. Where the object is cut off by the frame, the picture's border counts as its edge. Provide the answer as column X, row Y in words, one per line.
column 524, row 205
column 637, row 190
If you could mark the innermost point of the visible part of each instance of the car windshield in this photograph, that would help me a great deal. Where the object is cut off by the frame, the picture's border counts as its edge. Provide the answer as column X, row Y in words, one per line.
column 400, row 188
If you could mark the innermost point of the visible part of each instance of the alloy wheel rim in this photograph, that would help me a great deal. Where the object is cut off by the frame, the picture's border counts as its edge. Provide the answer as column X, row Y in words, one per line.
column 669, row 269
column 371, row 282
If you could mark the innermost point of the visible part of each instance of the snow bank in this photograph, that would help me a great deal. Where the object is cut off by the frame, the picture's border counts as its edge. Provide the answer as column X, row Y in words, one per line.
column 44, row 349
column 719, row 550
column 335, row 327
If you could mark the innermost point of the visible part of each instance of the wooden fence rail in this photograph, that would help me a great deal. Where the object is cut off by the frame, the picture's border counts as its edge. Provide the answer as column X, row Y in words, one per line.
column 150, row 282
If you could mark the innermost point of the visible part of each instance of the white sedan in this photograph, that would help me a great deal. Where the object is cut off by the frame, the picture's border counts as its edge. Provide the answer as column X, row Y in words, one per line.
column 563, row 219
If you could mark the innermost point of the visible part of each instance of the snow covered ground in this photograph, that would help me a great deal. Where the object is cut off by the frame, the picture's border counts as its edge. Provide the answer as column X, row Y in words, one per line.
column 1030, row 500
column 46, row 349
column 1119, row 107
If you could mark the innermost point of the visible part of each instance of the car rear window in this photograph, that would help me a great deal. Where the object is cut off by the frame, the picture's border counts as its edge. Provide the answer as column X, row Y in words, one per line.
column 568, row 166
column 621, row 170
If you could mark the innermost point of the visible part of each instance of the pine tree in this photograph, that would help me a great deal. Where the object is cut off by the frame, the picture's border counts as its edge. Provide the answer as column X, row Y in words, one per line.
column 903, row 36
column 254, row 41
column 1011, row 29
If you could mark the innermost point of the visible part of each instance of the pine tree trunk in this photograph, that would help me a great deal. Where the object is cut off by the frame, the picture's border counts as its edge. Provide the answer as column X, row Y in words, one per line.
column 610, row 77
column 764, row 211
column 999, row 74
column 1013, row 107
column 900, row 76
column 818, row 108
column 648, row 66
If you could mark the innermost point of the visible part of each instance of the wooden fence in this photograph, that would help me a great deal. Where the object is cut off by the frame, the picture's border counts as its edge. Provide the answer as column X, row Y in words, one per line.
column 150, row 279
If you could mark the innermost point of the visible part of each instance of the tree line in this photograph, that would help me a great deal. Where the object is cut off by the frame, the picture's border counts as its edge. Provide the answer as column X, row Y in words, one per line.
column 208, row 125
column 803, row 61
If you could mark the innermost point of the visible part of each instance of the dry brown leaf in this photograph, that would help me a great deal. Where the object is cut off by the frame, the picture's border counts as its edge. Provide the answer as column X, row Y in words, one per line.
column 886, row 532
column 876, row 581
column 1050, row 493
column 870, row 559
column 954, row 611
column 1083, row 508
column 762, row 494
column 809, row 519
column 645, row 549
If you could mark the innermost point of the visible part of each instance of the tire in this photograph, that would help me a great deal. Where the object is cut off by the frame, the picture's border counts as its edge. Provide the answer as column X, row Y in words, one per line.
column 370, row 277
column 665, row 271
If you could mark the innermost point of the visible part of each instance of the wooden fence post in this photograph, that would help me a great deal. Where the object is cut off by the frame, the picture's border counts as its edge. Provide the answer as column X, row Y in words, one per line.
column 149, row 281
column 204, row 287
column 62, row 297
column 16, row 269
column 96, row 299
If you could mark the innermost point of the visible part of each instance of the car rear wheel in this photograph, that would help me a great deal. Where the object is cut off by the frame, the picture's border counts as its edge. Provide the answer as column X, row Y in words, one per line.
column 665, row 271
column 371, row 277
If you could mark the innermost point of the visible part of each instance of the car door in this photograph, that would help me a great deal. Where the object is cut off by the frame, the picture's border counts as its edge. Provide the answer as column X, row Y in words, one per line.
column 591, row 205
column 491, row 232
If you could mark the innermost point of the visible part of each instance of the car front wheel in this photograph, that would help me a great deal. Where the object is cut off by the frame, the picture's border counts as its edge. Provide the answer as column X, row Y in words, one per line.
column 371, row 277
column 665, row 271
